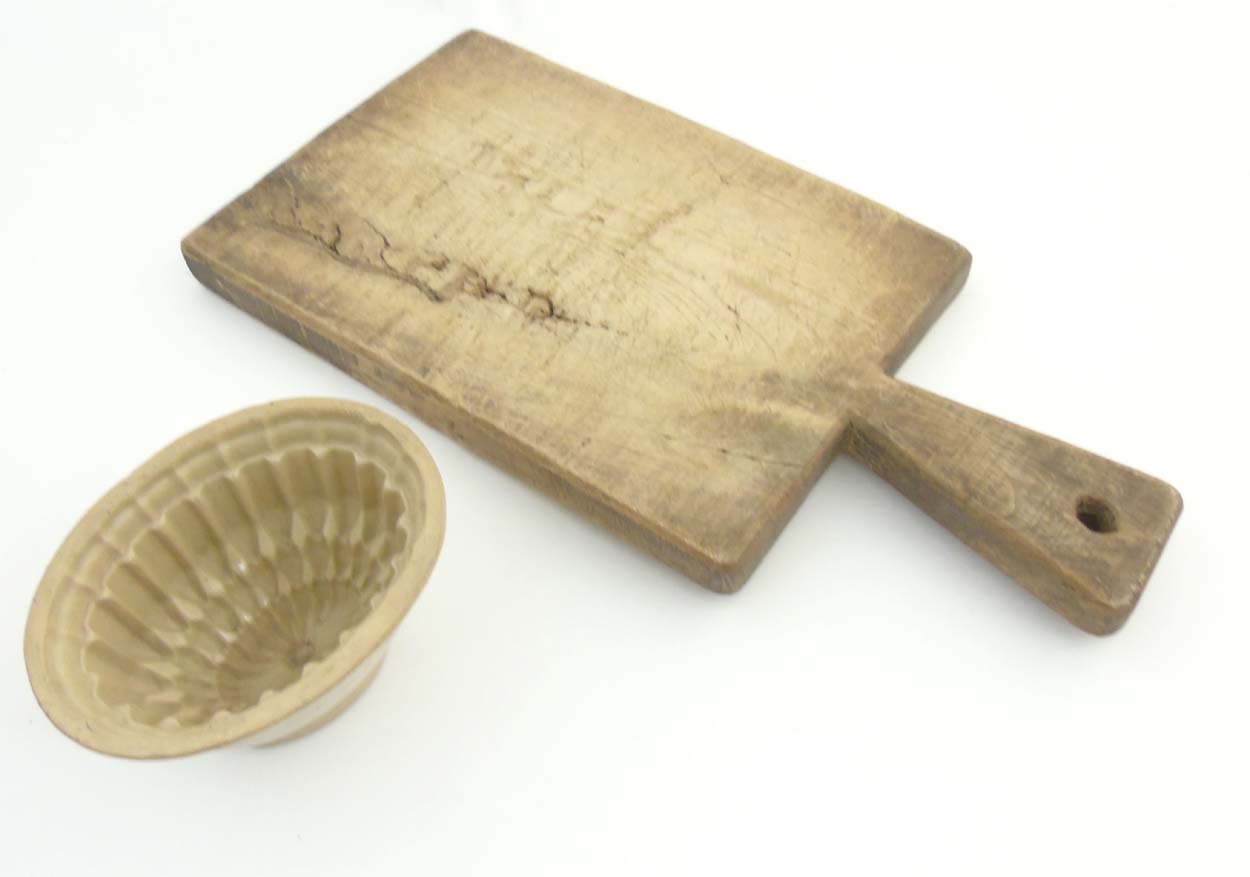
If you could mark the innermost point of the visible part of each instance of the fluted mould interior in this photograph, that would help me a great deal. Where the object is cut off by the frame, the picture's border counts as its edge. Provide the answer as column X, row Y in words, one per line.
column 235, row 578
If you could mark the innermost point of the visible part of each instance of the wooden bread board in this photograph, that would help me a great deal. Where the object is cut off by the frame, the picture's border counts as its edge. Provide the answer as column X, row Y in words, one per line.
column 663, row 328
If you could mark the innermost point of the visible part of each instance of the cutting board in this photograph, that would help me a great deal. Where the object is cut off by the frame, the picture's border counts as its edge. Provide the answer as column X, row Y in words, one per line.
column 663, row 328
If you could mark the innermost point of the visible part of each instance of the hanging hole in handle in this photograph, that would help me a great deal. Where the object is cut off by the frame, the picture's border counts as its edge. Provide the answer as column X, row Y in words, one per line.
column 1096, row 514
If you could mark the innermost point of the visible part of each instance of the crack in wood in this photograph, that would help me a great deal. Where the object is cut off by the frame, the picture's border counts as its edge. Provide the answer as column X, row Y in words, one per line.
column 534, row 305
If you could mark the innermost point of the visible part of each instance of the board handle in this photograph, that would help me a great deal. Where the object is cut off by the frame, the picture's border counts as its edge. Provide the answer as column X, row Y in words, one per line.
column 1079, row 531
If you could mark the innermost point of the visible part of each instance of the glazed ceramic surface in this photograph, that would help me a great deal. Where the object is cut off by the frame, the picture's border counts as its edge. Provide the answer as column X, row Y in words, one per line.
column 241, row 584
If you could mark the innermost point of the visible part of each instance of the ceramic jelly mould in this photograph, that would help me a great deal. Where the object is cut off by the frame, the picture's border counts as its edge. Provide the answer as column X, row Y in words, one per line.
column 241, row 584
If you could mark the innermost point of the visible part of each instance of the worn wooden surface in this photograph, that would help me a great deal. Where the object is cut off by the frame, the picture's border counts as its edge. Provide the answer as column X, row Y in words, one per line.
column 665, row 329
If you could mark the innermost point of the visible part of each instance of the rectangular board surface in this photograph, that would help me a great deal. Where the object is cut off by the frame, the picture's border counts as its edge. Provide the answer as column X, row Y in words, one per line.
column 644, row 318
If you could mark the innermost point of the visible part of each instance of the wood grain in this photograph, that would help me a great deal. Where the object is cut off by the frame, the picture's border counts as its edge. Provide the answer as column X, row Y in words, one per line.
column 1081, row 532
column 660, row 326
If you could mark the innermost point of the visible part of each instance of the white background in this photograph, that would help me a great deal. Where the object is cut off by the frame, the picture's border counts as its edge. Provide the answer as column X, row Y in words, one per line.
column 878, row 699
